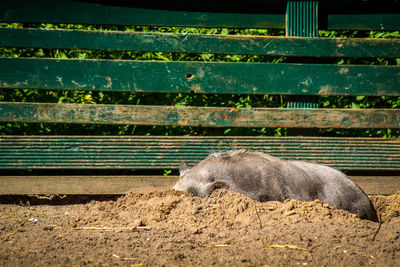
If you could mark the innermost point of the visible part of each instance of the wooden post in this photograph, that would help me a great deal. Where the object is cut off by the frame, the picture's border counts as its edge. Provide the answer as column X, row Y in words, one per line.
column 302, row 21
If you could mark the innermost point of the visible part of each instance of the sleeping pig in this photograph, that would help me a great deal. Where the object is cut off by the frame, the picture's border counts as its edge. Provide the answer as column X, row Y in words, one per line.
column 263, row 177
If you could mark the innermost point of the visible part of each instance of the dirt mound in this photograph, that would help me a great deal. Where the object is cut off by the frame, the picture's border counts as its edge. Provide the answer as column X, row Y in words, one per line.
column 223, row 209
column 171, row 228
column 388, row 207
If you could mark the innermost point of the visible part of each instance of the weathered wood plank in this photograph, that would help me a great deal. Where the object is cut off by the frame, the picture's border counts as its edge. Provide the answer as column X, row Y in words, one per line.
column 156, row 152
column 110, row 185
column 370, row 21
column 359, row 15
column 199, row 77
column 83, row 185
column 302, row 20
column 85, row 12
column 378, row 185
column 200, row 43
column 386, row 17
column 199, row 116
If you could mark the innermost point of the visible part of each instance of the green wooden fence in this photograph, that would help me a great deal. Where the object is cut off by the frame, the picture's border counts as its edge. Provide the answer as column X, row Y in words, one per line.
column 310, row 73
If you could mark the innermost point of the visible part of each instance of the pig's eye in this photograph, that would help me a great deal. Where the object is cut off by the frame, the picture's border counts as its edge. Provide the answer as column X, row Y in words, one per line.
column 211, row 179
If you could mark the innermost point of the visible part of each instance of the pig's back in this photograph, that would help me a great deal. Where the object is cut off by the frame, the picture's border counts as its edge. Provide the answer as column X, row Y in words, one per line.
column 338, row 190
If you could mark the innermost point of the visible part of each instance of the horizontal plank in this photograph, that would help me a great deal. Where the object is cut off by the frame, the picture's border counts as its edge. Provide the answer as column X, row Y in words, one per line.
column 200, row 43
column 157, row 152
column 83, row 185
column 359, row 15
column 337, row 15
column 199, row 77
column 199, row 116
column 110, row 185
column 67, row 11
column 378, row 185
column 381, row 22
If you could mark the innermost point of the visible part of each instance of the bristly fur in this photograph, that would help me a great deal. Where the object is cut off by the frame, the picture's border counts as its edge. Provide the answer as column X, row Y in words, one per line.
column 237, row 154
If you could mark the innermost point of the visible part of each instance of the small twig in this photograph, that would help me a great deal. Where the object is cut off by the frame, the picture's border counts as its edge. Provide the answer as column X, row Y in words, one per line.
column 288, row 246
column 223, row 244
column 228, row 241
column 124, row 258
column 258, row 216
column 112, row 228
column 10, row 234
column 262, row 243
column 379, row 227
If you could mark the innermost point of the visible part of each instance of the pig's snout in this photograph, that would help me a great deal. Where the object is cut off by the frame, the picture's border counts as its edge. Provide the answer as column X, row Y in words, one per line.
column 192, row 190
column 182, row 186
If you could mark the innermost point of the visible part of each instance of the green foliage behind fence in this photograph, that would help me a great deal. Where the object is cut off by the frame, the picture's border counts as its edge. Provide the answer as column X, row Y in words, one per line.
column 179, row 99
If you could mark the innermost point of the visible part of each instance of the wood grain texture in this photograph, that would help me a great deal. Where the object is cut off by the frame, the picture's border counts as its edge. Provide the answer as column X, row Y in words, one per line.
column 385, row 17
column 67, row 11
column 200, row 43
column 83, row 185
column 115, row 185
column 199, row 77
column 378, row 185
column 160, row 152
column 199, row 116
column 367, row 21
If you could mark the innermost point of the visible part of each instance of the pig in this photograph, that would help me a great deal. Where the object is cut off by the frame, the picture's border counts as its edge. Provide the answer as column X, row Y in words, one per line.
column 266, row 178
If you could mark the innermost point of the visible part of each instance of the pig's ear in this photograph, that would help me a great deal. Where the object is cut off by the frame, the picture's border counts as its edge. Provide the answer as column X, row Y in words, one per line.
column 216, row 185
column 183, row 167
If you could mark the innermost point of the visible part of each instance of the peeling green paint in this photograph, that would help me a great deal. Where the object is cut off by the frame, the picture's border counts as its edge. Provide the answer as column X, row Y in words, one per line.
column 207, row 77
column 200, row 116
column 48, row 11
column 200, row 43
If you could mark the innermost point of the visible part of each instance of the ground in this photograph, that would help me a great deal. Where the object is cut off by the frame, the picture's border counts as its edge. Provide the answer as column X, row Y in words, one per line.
column 170, row 228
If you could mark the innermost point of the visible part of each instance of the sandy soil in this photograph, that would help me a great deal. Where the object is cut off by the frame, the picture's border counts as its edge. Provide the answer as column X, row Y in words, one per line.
column 169, row 228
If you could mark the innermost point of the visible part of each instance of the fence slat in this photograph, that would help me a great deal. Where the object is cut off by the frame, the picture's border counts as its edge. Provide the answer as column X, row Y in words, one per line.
column 200, row 43
column 381, row 22
column 199, row 77
column 85, row 12
column 163, row 152
column 199, row 116
column 382, row 16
